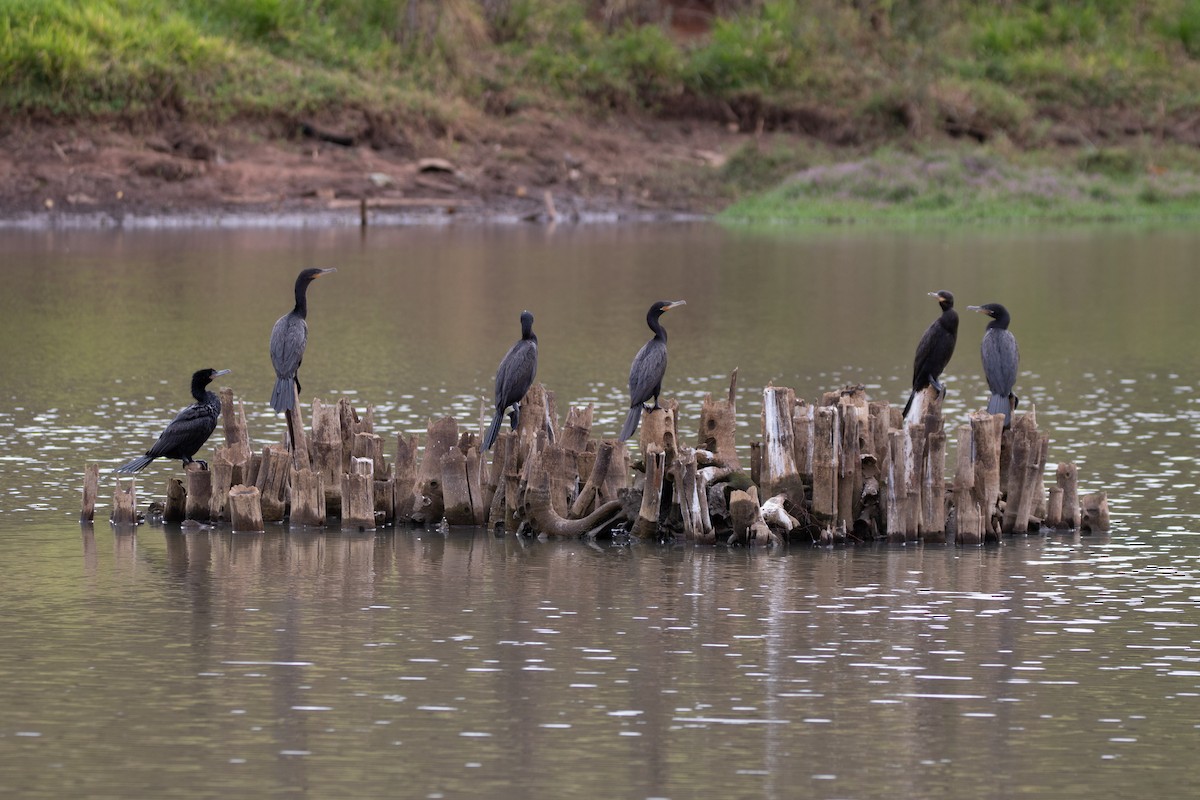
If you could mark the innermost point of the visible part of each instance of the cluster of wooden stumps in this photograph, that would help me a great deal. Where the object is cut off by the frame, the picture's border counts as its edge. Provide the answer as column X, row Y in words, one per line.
column 842, row 469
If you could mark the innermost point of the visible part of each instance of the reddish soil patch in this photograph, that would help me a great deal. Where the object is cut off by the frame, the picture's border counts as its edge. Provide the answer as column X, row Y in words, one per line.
column 619, row 166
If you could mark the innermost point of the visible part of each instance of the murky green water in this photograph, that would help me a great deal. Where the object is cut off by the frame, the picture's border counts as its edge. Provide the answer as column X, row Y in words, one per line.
column 415, row 664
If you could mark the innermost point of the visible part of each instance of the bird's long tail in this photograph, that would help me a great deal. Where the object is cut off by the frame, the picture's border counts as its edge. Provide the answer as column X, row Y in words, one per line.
column 908, row 405
column 493, row 430
column 999, row 404
column 137, row 465
column 631, row 421
column 283, row 396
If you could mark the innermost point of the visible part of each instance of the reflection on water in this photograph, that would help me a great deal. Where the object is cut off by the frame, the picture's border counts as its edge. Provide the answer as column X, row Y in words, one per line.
column 162, row 662
column 465, row 663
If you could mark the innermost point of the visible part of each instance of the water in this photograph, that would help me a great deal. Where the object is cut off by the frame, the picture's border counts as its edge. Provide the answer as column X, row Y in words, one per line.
column 418, row 664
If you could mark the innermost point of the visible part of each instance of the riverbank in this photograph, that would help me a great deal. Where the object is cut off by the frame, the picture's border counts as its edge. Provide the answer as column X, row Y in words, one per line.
column 567, row 109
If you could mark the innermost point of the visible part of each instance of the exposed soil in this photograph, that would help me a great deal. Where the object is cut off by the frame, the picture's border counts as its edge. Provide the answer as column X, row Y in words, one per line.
column 501, row 168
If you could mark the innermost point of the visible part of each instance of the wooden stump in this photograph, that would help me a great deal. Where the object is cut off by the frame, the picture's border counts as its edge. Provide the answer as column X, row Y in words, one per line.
column 199, row 492
column 826, row 442
column 327, row 453
column 658, row 429
column 237, row 440
column 545, row 520
column 914, row 459
column 1095, row 513
column 850, row 479
column 272, row 483
column 646, row 526
column 968, row 527
column 91, row 490
column 586, row 499
column 803, row 433
column 1068, row 481
column 985, row 443
column 746, row 516
column 693, row 500
column 358, row 496
column 307, row 499
column 538, row 414
column 245, row 510
column 618, row 472
column 175, row 509
column 124, row 508
column 222, row 479
column 428, row 504
column 578, row 429
column 456, row 490
column 896, row 486
column 406, row 477
column 297, row 442
column 933, row 492
column 718, row 424
column 778, row 471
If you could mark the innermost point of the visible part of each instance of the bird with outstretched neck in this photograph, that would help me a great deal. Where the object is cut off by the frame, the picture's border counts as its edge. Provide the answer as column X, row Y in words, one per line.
column 289, row 337
column 934, row 349
column 1000, row 360
column 190, row 429
column 648, row 367
column 513, row 378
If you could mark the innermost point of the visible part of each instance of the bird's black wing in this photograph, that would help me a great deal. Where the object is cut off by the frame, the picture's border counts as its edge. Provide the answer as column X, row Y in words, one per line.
column 288, row 340
column 187, row 433
column 1000, row 360
column 646, row 372
column 516, row 373
column 933, row 354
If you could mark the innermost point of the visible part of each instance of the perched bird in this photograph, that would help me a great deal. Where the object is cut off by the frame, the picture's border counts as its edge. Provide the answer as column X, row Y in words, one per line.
column 934, row 349
column 190, row 429
column 1000, row 359
column 513, row 378
column 288, row 340
column 648, row 367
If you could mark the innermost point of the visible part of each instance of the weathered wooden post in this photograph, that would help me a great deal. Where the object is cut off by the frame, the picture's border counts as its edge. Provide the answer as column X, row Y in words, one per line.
column 850, row 480
column 746, row 516
column 826, row 442
column 245, row 509
column 124, row 509
column 406, row 477
column 307, row 499
column 646, row 525
column 658, row 428
column 1068, row 481
column 718, row 423
column 222, row 480
column 618, row 473
column 1095, row 512
column 985, row 444
column 693, row 505
column 778, row 471
column 933, row 493
column 272, row 482
column 578, row 429
column 175, row 509
column 1054, row 513
column 91, row 490
column 327, row 453
column 968, row 516
column 456, row 491
column 538, row 413
column 358, row 495
column 896, row 486
column 199, row 492
column 600, row 466
column 914, row 458
column 297, row 440
column 441, row 436
column 237, row 440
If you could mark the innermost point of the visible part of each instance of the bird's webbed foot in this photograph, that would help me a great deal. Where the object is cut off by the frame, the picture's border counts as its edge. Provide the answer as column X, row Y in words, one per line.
column 203, row 464
column 939, row 387
column 514, row 416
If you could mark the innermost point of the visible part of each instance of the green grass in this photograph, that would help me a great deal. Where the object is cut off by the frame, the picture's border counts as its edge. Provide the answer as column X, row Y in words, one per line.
column 978, row 186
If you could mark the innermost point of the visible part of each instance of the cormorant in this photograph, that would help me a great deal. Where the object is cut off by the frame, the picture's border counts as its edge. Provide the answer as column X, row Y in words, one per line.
column 190, row 429
column 934, row 349
column 513, row 378
column 1000, row 359
column 288, row 340
column 648, row 367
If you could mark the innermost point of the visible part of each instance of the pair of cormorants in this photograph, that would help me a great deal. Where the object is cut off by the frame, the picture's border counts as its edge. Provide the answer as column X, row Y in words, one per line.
column 190, row 429
column 519, row 366
column 999, row 352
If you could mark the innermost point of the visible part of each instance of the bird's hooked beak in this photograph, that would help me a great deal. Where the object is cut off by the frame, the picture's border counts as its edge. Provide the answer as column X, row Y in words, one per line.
column 324, row 271
column 674, row 303
column 938, row 295
column 980, row 309
column 221, row 372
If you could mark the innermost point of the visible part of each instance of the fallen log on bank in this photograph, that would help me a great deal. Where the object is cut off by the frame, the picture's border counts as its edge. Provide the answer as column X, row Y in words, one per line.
column 843, row 468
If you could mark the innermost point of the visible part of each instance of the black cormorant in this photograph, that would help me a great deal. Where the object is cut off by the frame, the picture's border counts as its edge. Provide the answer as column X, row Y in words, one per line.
column 934, row 349
column 648, row 367
column 288, row 339
column 1000, row 359
column 513, row 378
column 190, row 429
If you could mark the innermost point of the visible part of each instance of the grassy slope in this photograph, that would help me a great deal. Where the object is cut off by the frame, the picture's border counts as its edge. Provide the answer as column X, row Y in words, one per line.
column 1024, row 77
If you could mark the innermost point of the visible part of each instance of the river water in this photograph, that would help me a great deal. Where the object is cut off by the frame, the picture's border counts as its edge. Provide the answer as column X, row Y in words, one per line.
column 413, row 663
